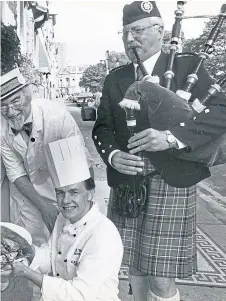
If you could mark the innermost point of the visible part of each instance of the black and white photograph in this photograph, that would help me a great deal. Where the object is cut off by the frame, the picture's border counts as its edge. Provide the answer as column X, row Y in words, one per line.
column 113, row 150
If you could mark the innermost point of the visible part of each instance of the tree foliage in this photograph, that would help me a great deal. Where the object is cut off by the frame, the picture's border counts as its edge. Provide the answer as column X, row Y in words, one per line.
column 29, row 71
column 216, row 63
column 11, row 56
column 10, row 48
column 93, row 77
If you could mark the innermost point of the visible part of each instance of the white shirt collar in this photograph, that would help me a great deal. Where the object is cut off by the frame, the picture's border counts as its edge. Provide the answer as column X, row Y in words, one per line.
column 149, row 64
column 89, row 216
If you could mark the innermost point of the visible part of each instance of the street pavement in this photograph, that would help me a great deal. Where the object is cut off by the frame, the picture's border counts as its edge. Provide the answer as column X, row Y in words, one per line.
column 211, row 218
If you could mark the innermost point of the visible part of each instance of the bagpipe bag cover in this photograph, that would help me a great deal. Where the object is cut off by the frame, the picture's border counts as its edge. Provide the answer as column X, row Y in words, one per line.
column 163, row 109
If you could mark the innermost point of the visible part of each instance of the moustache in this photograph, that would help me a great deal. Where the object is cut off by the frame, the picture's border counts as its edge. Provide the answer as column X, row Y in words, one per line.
column 131, row 46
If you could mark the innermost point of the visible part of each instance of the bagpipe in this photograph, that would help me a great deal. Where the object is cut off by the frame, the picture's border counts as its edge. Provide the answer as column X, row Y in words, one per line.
column 167, row 109
column 164, row 109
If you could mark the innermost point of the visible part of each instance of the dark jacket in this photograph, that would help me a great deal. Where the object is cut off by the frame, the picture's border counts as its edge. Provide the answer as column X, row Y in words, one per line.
column 110, row 130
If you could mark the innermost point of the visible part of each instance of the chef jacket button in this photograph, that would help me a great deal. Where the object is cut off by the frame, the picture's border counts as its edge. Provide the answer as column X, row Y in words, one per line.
column 99, row 143
column 103, row 151
column 95, row 137
column 58, row 274
column 74, row 235
column 59, row 252
column 65, row 260
column 110, row 146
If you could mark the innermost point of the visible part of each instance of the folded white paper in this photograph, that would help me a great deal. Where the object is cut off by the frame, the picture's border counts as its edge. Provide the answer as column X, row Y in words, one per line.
column 67, row 161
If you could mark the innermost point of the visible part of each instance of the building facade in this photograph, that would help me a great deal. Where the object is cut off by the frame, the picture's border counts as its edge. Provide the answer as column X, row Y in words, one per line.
column 35, row 28
column 68, row 80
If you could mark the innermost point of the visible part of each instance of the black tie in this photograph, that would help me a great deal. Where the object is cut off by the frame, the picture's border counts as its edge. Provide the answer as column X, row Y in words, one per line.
column 27, row 127
column 139, row 73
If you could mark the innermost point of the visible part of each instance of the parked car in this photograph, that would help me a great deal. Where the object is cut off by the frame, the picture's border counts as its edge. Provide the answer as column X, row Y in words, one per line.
column 83, row 97
column 72, row 98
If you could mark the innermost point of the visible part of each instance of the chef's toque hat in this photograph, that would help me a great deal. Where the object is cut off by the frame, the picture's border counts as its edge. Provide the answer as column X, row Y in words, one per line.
column 66, row 161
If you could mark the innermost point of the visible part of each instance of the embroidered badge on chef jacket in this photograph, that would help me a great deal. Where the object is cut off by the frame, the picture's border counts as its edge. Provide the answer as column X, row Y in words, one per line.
column 78, row 252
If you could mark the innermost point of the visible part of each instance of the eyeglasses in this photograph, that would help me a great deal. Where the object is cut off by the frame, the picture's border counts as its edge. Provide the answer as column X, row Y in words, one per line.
column 136, row 31
column 14, row 105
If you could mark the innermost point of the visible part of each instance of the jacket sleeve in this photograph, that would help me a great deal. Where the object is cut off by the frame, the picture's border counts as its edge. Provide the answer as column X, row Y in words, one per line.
column 104, row 129
column 42, row 259
column 13, row 163
column 207, row 125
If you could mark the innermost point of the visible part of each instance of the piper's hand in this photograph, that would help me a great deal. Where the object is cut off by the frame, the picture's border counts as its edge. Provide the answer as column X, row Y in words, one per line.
column 149, row 140
column 6, row 272
column 126, row 163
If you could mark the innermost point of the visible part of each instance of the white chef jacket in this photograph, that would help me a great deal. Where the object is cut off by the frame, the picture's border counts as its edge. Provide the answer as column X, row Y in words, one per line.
column 51, row 121
column 84, row 257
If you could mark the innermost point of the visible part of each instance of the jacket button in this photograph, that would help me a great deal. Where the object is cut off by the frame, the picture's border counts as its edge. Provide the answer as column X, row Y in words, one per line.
column 103, row 151
column 59, row 253
column 65, row 260
column 58, row 274
column 74, row 235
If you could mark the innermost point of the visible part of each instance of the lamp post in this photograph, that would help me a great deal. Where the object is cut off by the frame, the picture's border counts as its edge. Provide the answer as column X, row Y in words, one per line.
column 107, row 61
column 61, row 87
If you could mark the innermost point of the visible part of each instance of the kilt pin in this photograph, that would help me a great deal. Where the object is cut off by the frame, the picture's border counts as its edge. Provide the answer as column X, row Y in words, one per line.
column 161, row 241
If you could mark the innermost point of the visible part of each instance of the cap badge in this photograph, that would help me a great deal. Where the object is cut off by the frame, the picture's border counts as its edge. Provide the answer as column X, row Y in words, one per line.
column 147, row 6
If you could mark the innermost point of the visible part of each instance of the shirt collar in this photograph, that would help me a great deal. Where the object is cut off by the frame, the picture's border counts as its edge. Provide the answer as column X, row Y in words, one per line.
column 149, row 64
column 89, row 216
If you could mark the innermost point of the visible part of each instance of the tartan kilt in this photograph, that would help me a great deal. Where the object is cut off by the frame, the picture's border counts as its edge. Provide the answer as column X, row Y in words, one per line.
column 161, row 241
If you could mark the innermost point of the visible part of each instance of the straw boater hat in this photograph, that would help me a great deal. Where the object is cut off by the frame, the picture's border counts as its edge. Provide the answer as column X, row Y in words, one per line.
column 11, row 82
column 66, row 161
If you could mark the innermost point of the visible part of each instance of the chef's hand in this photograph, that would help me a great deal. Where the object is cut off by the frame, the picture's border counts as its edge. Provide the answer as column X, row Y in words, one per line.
column 126, row 163
column 19, row 269
column 6, row 272
column 49, row 214
column 149, row 140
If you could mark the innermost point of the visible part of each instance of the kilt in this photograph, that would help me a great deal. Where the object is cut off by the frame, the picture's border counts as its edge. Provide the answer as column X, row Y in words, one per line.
column 161, row 241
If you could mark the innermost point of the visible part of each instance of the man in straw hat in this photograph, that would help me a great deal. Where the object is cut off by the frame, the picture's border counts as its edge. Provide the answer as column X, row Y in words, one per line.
column 159, row 244
column 27, row 126
column 85, row 250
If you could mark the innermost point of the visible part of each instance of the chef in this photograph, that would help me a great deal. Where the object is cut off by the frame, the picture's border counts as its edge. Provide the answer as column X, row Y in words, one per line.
column 82, row 258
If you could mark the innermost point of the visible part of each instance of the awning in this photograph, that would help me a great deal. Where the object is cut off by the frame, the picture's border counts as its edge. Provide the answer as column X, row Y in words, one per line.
column 40, row 13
